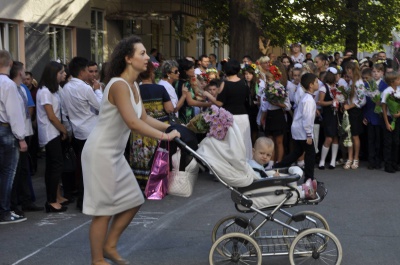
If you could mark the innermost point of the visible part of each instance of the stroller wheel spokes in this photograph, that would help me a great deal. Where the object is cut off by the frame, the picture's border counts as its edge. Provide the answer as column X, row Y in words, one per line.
column 230, row 224
column 316, row 246
column 235, row 248
column 303, row 220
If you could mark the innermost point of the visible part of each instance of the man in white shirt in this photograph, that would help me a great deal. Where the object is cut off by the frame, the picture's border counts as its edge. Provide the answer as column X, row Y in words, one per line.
column 204, row 62
column 12, row 137
column 21, row 192
column 78, row 100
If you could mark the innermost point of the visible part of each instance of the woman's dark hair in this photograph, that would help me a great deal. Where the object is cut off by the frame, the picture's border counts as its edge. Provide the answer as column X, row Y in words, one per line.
column 289, row 59
column 117, row 63
column 67, row 75
column 184, row 65
column 147, row 74
column 49, row 76
column 232, row 67
column 307, row 79
column 329, row 78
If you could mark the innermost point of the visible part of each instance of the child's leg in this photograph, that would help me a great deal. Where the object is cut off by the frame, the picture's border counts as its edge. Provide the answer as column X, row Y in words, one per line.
column 292, row 157
column 387, row 150
column 334, row 151
column 309, row 160
column 371, row 145
column 324, row 151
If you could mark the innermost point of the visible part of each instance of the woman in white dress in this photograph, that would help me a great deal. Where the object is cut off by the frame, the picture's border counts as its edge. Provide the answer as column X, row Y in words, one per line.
column 111, row 189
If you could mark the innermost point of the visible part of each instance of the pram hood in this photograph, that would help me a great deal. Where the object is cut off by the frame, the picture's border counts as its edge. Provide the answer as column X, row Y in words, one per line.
column 228, row 158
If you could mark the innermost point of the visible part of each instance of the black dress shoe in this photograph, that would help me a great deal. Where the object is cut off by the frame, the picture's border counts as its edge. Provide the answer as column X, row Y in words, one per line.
column 51, row 209
column 396, row 168
column 32, row 208
column 321, row 167
column 331, row 167
column 390, row 170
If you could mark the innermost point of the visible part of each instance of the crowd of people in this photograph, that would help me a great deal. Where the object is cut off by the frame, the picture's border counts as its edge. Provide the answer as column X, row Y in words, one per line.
column 305, row 106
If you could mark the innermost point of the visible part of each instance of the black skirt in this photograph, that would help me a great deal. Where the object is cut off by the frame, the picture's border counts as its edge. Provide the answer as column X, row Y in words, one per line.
column 356, row 121
column 330, row 122
column 275, row 121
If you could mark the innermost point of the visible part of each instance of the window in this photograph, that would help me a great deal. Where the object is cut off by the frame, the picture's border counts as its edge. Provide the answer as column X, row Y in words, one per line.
column 200, row 40
column 97, row 36
column 9, row 38
column 60, row 44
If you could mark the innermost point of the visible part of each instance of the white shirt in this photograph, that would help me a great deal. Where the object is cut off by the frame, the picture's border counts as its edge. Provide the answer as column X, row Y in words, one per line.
column 171, row 91
column 342, row 83
column 299, row 59
column 28, row 121
column 303, row 120
column 77, row 100
column 10, row 112
column 198, row 71
column 46, row 130
column 389, row 90
column 291, row 88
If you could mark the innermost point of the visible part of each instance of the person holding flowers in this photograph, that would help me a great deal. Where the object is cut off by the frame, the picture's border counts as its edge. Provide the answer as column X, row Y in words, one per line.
column 275, row 102
column 330, row 107
column 353, row 106
column 372, row 115
column 391, row 112
column 250, row 73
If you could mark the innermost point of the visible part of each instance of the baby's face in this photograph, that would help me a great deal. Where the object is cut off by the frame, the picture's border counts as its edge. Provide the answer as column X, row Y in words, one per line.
column 262, row 154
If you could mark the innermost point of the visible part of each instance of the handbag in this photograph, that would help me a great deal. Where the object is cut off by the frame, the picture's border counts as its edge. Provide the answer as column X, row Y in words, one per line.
column 157, row 184
column 181, row 183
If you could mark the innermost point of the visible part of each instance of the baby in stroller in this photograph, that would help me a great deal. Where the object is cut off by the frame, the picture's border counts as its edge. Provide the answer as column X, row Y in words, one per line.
column 262, row 154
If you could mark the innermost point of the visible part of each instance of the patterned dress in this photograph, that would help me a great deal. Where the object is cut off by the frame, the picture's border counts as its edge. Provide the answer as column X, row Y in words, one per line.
column 143, row 148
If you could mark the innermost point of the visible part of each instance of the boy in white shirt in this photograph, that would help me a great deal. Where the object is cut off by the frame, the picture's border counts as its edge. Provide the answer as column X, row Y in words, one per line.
column 262, row 154
column 303, row 128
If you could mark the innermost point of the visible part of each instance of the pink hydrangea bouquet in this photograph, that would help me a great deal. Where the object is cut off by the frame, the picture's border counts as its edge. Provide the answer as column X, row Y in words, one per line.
column 393, row 104
column 215, row 122
column 275, row 92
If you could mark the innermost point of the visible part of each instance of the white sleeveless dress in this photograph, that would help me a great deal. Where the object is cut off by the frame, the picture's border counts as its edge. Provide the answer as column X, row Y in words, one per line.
column 110, row 185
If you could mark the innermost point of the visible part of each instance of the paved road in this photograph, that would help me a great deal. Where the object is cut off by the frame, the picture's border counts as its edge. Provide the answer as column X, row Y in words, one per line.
column 361, row 208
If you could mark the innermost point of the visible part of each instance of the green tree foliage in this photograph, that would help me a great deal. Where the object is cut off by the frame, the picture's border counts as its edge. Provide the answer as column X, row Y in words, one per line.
column 325, row 25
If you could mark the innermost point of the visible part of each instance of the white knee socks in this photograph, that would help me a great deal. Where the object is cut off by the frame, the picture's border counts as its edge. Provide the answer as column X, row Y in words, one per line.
column 335, row 148
column 324, row 153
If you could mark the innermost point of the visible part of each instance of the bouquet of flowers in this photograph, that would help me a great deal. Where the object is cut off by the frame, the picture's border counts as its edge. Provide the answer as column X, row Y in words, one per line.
column 375, row 95
column 215, row 121
column 275, row 92
column 393, row 104
column 344, row 94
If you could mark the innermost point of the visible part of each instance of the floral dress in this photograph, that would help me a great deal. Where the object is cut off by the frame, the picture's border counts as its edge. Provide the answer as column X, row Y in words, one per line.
column 142, row 148
column 355, row 114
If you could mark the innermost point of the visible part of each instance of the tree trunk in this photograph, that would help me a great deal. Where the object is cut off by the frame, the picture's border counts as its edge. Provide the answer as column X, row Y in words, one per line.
column 243, row 34
column 352, row 26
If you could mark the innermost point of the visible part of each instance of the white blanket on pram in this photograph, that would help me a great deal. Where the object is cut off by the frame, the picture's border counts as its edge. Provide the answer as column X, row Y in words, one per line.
column 228, row 158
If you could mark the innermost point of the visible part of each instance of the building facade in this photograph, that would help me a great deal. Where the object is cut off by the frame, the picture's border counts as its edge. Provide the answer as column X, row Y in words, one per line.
column 38, row 31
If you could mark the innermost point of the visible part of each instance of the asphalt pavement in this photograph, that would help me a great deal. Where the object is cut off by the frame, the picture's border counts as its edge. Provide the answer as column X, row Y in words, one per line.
column 361, row 208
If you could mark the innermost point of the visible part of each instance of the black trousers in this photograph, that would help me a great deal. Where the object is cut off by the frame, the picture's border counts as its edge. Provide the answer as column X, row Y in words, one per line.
column 301, row 146
column 374, row 144
column 54, row 168
column 78, row 145
column 391, row 146
column 21, row 192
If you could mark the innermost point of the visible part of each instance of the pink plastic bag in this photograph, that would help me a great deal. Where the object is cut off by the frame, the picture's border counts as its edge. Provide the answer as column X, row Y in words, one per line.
column 157, row 185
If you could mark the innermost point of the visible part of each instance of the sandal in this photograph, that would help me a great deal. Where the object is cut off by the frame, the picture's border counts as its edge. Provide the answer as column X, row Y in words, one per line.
column 348, row 164
column 355, row 164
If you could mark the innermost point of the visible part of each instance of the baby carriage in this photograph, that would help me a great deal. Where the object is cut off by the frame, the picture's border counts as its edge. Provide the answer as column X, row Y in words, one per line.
column 238, row 239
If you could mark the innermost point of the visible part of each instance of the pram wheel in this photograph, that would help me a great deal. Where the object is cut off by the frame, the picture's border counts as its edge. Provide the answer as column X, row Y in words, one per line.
column 235, row 248
column 231, row 224
column 303, row 220
column 315, row 246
